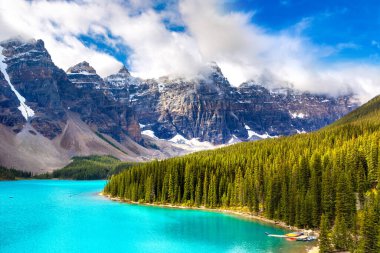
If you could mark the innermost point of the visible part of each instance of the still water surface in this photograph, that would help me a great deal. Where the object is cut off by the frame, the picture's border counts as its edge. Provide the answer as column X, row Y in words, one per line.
column 69, row 216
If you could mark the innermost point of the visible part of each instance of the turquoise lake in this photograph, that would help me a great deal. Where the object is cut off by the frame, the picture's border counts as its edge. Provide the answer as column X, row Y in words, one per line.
column 70, row 216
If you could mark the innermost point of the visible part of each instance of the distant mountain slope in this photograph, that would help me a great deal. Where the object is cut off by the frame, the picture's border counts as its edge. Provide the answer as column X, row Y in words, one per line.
column 331, row 173
column 368, row 112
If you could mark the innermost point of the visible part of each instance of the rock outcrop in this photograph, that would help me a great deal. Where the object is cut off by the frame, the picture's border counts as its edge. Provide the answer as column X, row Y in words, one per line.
column 38, row 80
column 98, row 107
column 66, row 118
column 10, row 115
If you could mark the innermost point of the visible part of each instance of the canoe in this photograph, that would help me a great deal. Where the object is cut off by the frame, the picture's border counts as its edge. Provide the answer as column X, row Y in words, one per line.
column 273, row 235
column 306, row 239
column 294, row 234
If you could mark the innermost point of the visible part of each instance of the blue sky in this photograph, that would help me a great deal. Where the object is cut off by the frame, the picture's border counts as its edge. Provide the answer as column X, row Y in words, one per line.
column 355, row 24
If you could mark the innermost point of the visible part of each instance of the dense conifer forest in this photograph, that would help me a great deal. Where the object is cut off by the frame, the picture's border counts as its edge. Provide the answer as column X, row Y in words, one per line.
column 12, row 174
column 90, row 168
column 81, row 168
column 325, row 180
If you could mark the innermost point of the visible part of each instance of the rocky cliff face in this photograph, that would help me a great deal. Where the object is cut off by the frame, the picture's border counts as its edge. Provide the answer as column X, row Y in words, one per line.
column 37, row 79
column 98, row 107
column 45, row 118
column 10, row 115
column 116, row 86
column 287, row 111
column 50, row 93
column 211, row 110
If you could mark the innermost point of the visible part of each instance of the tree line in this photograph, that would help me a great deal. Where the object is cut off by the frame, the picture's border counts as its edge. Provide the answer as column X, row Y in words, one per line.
column 90, row 168
column 12, row 174
column 324, row 180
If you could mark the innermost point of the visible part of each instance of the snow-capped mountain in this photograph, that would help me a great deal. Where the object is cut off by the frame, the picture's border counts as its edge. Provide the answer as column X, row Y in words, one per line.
column 211, row 110
column 48, row 115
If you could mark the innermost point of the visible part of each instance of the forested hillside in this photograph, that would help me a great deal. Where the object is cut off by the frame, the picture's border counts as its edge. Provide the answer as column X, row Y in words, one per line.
column 12, row 174
column 90, row 168
column 324, row 179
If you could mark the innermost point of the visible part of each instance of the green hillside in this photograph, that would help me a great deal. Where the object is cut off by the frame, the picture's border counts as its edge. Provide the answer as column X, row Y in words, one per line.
column 90, row 168
column 331, row 173
column 368, row 112
column 12, row 174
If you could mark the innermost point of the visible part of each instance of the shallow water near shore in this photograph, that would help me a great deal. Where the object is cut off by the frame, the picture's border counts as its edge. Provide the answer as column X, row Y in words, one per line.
column 70, row 216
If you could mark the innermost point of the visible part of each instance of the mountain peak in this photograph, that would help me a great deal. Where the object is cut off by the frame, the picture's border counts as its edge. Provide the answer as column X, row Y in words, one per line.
column 80, row 68
column 214, row 67
column 20, row 45
column 124, row 70
column 17, row 40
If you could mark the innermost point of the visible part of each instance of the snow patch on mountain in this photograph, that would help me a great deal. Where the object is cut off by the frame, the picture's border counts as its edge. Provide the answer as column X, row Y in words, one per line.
column 250, row 132
column 260, row 136
column 26, row 111
column 263, row 136
column 161, row 87
column 150, row 133
column 86, row 73
column 299, row 115
column 192, row 144
column 301, row 132
column 179, row 141
column 234, row 140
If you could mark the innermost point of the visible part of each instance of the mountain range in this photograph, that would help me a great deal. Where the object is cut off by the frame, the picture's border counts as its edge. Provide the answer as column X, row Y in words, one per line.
column 48, row 116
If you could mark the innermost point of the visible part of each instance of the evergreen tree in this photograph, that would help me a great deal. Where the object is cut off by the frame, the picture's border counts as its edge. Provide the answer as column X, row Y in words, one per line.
column 362, row 186
column 205, row 189
column 340, row 235
column 345, row 199
column 327, row 195
column 315, row 183
column 369, row 231
column 324, row 235
column 198, row 193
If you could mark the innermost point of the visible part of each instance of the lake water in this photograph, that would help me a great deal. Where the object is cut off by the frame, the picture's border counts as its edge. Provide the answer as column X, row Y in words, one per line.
column 69, row 216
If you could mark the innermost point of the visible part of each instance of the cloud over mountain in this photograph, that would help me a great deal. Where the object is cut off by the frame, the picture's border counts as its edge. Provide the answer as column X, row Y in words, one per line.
column 180, row 38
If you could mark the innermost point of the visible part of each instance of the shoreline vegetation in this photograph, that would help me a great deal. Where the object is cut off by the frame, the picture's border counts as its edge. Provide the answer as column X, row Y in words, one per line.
column 241, row 214
column 91, row 168
column 12, row 174
column 80, row 168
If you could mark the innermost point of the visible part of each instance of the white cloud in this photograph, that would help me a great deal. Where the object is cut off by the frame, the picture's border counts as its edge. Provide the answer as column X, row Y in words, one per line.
column 57, row 23
column 243, row 50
